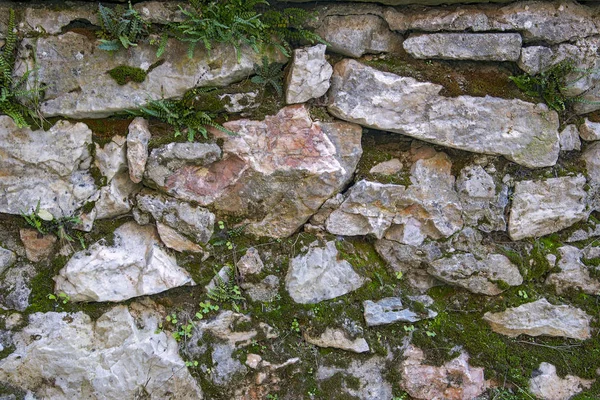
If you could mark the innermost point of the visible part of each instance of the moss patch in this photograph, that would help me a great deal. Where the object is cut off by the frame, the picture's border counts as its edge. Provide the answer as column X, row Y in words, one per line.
column 124, row 74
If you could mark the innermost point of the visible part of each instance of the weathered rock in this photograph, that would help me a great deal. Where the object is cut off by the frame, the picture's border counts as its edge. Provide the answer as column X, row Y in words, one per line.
column 541, row 318
column 250, row 263
column 276, row 172
column 569, row 139
column 326, row 209
column 121, row 355
column 427, row 208
column 465, row 46
column 240, row 102
column 545, row 384
column 134, row 266
column 111, row 159
column 160, row 12
column 46, row 166
column 137, row 148
column 308, row 77
column 117, row 197
column 550, row 22
column 176, row 241
column 482, row 204
column 15, row 287
column 589, row 130
column 51, row 20
column 523, row 132
column 390, row 310
column 477, row 276
column 390, row 167
column 591, row 156
column 573, row 273
column 224, row 275
column 79, row 87
column 193, row 221
column 411, row 261
column 318, row 275
column 338, row 339
column 455, row 380
column 353, row 34
column 543, row 207
column 38, row 247
column 535, row 59
column 367, row 373
column 7, row 258
column 265, row 291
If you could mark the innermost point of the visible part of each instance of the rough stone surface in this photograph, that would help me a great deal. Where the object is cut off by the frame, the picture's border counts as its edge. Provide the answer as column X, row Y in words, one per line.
column 134, row 266
column 523, row 132
column 338, row 339
column 543, row 207
column 250, row 263
column 46, row 166
column 137, row 148
column 67, row 356
column 176, row 241
column 193, row 221
column 477, row 276
column 369, row 373
column 353, row 34
column 50, row 20
column 541, row 318
column 117, row 197
column 7, row 258
column 79, row 87
column 569, row 139
column 390, row 167
column 428, row 208
column 318, row 275
column 573, row 273
column 38, row 247
column 15, row 287
column 589, row 130
column 538, row 21
column 545, row 384
column 465, row 46
column 265, row 291
column 309, row 75
column 591, row 156
column 535, row 59
column 111, row 159
column 276, row 172
column 483, row 204
column 455, row 380
column 390, row 310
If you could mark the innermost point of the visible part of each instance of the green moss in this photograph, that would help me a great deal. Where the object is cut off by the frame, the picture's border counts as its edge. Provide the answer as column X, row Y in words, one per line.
column 124, row 74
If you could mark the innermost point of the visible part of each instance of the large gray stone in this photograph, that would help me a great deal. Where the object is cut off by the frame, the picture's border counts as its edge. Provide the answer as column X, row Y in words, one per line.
column 477, row 276
column 318, row 275
column 46, row 166
column 428, row 208
column 390, row 310
column 15, row 287
column 589, row 130
column 276, row 172
column 7, row 258
column 523, row 132
column 193, row 221
column 134, row 266
column 121, row 355
column 574, row 274
column 465, row 46
column 541, row 318
column 591, row 156
column 545, row 384
column 337, row 338
column 543, row 207
column 78, row 85
column 137, row 148
column 308, row 77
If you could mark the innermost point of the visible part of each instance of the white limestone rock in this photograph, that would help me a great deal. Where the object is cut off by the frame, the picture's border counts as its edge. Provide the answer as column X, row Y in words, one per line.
column 308, row 77
column 569, row 138
column 589, row 131
column 573, row 273
column 337, row 338
column 137, row 148
column 545, row 384
column 389, row 310
column 543, row 207
column 319, row 275
column 525, row 133
column 134, row 266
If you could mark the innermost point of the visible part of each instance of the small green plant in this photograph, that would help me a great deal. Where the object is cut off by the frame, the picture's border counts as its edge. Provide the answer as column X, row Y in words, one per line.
column 430, row 333
column 17, row 100
column 191, row 364
column 221, row 225
column 61, row 297
column 205, row 308
column 272, row 397
column 295, row 326
column 172, row 318
column 551, row 84
column 124, row 74
column 409, row 328
column 120, row 27
column 269, row 74
column 523, row 294
column 182, row 117
column 44, row 222
column 399, row 275
column 226, row 291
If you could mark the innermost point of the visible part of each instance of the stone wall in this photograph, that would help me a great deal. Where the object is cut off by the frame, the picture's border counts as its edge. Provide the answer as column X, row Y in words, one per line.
column 402, row 222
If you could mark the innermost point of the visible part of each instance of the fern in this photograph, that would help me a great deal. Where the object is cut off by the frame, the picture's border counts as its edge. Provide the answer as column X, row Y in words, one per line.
column 120, row 27
column 240, row 23
column 14, row 92
column 269, row 74
column 226, row 291
column 182, row 117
